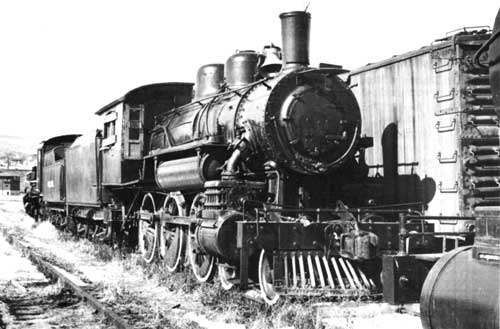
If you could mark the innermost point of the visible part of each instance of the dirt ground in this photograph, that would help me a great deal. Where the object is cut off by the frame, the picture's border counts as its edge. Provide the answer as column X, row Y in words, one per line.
column 157, row 299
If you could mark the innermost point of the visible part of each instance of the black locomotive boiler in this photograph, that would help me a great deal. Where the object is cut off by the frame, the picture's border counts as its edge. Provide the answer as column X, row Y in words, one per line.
column 260, row 177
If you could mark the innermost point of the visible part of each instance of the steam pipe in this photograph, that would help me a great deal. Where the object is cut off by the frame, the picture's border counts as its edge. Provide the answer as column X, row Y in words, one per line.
column 234, row 159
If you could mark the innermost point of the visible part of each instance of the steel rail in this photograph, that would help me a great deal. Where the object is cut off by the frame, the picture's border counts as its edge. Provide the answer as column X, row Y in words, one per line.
column 56, row 272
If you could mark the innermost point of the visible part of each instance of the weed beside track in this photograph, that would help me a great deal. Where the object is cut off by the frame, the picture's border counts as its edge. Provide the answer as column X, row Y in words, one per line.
column 148, row 296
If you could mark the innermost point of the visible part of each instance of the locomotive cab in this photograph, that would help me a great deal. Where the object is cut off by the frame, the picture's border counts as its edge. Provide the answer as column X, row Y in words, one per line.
column 126, row 126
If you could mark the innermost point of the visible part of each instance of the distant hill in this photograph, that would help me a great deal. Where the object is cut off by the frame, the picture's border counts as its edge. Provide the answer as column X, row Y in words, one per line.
column 27, row 145
column 17, row 152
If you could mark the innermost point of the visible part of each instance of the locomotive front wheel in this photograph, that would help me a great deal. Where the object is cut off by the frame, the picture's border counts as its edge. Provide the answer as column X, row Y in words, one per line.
column 203, row 265
column 226, row 274
column 147, row 229
column 267, row 290
column 172, row 239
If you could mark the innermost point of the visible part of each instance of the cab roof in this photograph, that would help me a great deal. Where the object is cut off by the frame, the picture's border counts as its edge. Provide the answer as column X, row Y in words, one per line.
column 143, row 93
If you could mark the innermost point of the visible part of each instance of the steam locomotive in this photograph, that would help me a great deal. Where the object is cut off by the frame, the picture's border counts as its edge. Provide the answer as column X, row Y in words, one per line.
column 264, row 176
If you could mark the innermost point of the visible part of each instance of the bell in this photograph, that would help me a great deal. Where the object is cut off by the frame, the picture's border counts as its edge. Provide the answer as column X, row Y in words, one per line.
column 272, row 63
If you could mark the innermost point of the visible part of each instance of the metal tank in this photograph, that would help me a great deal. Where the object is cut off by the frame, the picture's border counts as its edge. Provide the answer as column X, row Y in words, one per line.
column 187, row 173
column 209, row 79
column 461, row 292
column 241, row 68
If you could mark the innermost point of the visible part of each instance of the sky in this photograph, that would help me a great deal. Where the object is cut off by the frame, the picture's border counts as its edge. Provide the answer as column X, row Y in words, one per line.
column 62, row 60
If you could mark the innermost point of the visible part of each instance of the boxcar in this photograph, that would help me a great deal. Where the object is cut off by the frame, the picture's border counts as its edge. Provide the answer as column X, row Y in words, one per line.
column 431, row 116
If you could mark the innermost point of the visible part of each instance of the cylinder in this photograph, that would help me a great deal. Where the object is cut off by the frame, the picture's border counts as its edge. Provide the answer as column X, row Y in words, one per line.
column 187, row 173
column 209, row 79
column 218, row 237
column 295, row 28
column 241, row 68
column 461, row 292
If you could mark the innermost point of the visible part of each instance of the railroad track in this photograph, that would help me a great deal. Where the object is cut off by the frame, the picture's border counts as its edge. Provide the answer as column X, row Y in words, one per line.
column 120, row 319
column 77, row 286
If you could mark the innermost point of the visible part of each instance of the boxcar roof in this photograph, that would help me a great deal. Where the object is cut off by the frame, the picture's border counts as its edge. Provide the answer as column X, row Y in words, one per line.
column 466, row 38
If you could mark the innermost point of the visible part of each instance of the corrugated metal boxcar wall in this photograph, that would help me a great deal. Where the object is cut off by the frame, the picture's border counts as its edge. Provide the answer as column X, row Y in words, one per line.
column 435, row 109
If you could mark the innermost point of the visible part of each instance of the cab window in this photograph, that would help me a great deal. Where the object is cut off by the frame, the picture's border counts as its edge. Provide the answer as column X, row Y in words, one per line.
column 109, row 133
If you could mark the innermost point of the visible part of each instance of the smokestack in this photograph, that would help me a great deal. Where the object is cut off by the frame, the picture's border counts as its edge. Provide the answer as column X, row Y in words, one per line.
column 295, row 27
